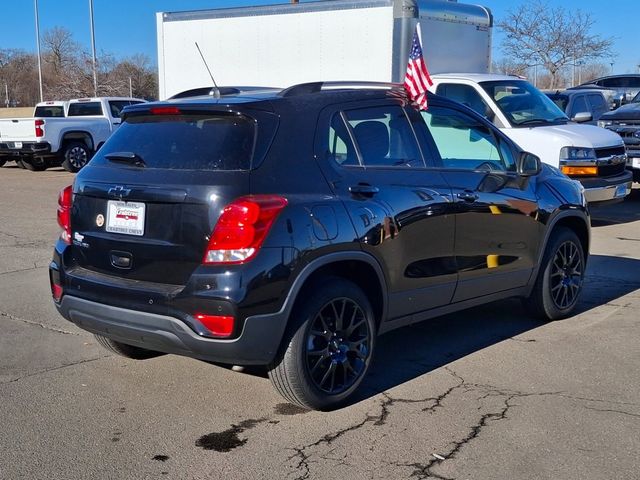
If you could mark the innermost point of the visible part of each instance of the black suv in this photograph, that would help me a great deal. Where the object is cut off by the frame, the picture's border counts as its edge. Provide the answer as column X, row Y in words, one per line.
column 291, row 228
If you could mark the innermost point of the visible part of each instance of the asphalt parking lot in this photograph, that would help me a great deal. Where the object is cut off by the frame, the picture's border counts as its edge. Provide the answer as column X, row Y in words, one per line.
column 482, row 394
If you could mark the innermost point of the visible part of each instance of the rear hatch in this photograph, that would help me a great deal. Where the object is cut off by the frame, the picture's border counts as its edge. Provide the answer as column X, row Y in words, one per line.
column 146, row 204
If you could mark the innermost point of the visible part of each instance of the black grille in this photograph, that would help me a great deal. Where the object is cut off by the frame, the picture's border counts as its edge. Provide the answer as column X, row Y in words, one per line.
column 609, row 152
column 610, row 170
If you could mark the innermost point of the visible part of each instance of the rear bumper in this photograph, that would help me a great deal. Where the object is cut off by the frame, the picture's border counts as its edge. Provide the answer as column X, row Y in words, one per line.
column 27, row 149
column 257, row 344
column 607, row 188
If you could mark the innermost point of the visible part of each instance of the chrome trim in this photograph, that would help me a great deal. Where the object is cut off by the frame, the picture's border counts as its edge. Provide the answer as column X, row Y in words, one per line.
column 603, row 194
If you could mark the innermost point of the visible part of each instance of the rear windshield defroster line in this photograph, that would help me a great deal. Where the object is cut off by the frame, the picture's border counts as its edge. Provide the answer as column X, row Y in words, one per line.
column 210, row 141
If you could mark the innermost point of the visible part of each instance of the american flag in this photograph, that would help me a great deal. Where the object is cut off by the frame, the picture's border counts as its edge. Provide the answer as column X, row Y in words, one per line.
column 417, row 79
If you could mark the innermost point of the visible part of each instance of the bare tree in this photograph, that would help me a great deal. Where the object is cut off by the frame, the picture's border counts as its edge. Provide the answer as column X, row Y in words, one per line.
column 508, row 66
column 552, row 37
column 60, row 49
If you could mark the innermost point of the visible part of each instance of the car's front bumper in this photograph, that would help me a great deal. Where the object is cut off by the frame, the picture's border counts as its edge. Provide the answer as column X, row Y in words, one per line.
column 604, row 189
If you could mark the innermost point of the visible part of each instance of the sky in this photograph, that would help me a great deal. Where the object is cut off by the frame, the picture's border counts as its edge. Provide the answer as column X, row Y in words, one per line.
column 127, row 27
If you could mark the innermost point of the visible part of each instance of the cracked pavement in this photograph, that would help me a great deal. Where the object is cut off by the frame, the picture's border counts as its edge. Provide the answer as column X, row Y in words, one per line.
column 482, row 394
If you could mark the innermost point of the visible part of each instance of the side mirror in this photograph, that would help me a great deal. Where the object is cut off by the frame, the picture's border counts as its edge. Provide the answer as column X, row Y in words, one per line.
column 582, row 117
column 529, row 165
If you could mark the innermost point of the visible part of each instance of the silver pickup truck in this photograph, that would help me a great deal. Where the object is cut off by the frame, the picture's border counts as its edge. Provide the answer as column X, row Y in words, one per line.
column 68, row 138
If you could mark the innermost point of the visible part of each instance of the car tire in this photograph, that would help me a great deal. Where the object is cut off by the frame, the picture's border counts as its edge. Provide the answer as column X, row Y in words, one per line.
column 328, row 347
column 33, row 165
column 124, row 350
column 75, row 156
column 560, row 278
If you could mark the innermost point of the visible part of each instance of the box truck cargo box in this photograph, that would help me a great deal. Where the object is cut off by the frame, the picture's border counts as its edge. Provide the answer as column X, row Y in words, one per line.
column 282, row 45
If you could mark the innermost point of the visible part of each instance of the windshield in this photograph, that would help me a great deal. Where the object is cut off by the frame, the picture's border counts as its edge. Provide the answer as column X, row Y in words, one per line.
column 636, row 99
column 523, row 104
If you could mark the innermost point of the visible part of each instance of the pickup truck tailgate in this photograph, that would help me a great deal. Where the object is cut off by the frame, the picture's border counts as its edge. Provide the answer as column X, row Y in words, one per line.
column 12, row 129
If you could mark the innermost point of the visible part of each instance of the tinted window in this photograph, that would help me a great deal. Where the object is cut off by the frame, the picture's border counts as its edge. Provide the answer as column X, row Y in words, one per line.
column 85, row 109
column 598, row 103
column 579, row 105
column 341, row 149
column 465, row 142
column 384, row 137
column 465, row 94
column 116, row 106
column 190, row 142
column 49, row 111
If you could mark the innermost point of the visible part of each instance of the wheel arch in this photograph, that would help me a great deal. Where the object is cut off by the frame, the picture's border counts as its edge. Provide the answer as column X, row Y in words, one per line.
column 358, row 267
column 578, row 222
column 75, row 135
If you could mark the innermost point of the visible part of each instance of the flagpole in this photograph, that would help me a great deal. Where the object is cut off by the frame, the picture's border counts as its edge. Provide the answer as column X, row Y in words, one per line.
column 38, row 49
column 93, row 51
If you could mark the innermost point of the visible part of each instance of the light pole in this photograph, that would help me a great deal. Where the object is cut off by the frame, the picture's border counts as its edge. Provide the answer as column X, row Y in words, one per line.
column 130, row 88
column 93, row 51
column 611, row 63
column 38, row 49
column 6, row 95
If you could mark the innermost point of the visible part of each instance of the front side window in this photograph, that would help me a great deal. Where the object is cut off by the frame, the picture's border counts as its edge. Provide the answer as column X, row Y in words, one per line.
column 384, row 137
column 579, row 105
column 465, row 142
column 523, row 104
column 464, row 94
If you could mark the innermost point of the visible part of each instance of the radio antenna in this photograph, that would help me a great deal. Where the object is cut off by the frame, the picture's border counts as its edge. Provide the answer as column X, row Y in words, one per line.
column 216, row 90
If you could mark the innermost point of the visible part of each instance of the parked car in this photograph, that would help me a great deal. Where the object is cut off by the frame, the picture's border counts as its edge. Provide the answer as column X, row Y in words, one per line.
column 625, row 121
column 591, row 155
column 42, row 142
column 581, row 106
column 291, row 228
column 627, row 86
column 613, row 97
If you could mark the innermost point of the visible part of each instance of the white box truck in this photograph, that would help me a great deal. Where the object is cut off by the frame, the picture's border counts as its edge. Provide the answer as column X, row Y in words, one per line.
column 282, row 45
column 350, row 40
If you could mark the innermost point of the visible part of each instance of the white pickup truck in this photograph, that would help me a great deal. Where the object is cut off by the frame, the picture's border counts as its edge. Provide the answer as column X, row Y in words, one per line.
column 70, row 138
column 594, row 156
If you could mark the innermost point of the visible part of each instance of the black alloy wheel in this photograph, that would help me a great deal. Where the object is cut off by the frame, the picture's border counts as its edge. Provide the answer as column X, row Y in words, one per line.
column 566, row 275
column 338, row 346
column 328, row 347
column 560, row 278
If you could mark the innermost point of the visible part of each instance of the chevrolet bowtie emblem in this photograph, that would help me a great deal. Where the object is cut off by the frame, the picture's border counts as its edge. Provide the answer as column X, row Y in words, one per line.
column 119, row 191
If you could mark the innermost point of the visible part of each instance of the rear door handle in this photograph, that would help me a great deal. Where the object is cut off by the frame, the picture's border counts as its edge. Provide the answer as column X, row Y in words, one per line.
column 363, row 189
column 468, row 196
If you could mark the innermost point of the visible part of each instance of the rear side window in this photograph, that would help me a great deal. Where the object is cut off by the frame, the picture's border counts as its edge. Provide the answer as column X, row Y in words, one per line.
column 185, row 142
column 560, row 100
column 49, row 111
column 384, row 137
column 85, row 109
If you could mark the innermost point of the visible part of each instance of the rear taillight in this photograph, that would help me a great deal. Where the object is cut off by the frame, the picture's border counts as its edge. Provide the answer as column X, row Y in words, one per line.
column 56, row 287
column 39, row 128
column 219, row 325
column 65, row 201
column 241, row 228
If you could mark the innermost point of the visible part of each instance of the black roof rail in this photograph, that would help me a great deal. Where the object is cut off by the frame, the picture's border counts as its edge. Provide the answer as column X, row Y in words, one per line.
column 314, row 87
column 210, row 91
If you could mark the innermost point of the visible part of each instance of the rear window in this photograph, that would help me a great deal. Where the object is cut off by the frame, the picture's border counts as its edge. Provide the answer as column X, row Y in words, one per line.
column 49, row 111
column 116, row 106
column 85, row 109
column 185, row 142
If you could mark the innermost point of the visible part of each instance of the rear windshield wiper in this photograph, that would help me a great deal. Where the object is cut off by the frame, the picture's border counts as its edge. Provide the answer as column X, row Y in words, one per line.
column 126, row 157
